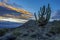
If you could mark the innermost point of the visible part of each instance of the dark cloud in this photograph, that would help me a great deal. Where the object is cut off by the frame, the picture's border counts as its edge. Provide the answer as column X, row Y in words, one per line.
column 57, row 15
column 4, row 10
column 4, row 1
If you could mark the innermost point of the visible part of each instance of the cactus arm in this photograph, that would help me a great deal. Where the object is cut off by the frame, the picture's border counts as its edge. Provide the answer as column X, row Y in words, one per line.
column 43, row 15
column 35, row 16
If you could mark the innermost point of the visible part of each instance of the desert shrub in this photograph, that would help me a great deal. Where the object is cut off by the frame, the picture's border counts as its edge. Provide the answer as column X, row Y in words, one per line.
column 16, row 33
column 34, row 36
column 3, row 32
column 55, row 30
column 24, row 35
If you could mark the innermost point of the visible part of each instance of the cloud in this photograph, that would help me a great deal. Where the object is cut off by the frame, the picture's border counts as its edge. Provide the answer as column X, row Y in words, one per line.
column 8, row 8
column 57, row 15
column 5, row 1
column 20, row 10
column 6, row 11
column 12, row 20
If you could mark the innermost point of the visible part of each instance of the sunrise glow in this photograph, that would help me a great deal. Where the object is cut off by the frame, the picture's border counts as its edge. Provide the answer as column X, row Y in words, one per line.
column 13, row 20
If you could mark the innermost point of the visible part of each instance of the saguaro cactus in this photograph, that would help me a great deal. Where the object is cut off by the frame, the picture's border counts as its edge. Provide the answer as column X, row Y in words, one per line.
column 43, row 15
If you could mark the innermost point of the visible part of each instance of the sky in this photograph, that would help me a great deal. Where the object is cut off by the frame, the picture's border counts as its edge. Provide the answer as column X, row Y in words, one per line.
column 34, row 5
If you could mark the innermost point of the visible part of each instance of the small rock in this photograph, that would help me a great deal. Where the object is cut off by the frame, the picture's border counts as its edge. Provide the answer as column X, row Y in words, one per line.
column 25, row 35
column 34, row 36
column 49, row 35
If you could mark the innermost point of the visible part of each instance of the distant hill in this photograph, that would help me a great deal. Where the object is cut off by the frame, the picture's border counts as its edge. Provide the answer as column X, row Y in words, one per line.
column 31, row 31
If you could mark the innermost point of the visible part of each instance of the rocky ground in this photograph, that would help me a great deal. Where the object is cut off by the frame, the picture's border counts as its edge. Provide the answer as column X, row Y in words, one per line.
column 31, row 31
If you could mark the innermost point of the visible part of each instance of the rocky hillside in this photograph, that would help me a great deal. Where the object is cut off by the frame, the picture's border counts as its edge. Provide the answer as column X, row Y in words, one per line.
column 31, row 31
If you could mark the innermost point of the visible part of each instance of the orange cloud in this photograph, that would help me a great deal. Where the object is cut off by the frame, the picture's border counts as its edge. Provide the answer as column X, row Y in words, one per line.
column 1, row 4
column 25, row 14
column 18, row 10
column 15, row 9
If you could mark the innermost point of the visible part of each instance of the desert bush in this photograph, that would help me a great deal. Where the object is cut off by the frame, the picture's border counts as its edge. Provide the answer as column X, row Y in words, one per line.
column 24, row 35
column 16, row 33
column 3, row 32
column 55, row 29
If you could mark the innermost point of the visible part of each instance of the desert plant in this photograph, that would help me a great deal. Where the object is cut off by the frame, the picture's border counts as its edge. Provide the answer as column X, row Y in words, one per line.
column 3, row 32
column 16, row 33
column 43, row 15
column 55, row 30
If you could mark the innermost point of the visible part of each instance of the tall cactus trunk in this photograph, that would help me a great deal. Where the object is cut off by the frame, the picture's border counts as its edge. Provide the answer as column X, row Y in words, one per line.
column 43, row 15
column 35, row 16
